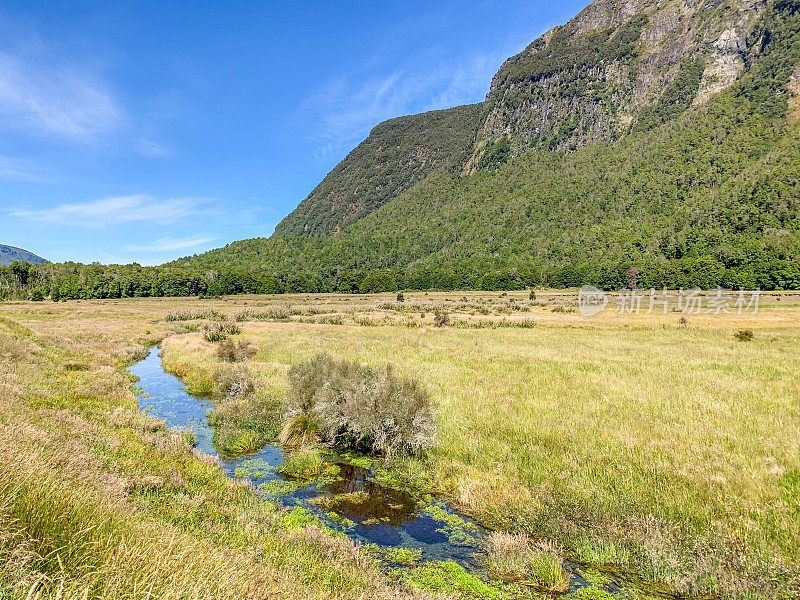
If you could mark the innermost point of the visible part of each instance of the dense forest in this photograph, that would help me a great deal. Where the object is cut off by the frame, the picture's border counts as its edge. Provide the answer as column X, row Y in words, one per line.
column 693, row 195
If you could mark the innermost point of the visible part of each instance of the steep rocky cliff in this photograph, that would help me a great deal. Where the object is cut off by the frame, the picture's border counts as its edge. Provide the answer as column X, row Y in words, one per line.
column 619, row 67
column 595, row 78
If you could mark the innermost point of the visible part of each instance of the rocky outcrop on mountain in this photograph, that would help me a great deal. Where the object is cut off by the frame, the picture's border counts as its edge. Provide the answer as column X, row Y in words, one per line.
column 590, row 80
column 620, row 67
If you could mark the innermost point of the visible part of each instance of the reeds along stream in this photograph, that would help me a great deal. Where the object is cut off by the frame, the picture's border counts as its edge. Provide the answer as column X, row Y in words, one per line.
column 343, row 494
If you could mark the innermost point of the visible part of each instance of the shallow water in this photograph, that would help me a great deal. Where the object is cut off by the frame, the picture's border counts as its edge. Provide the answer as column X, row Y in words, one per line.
column 350, row 502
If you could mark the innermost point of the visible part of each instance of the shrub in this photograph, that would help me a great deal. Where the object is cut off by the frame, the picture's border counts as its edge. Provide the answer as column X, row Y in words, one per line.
column 745, row 335
column 235, row 351
column 441, row 318
column 37, row 295
column 217, row 331
column 532, row 295
column 234, row 382
column 377, row 283
column 359, row 406
column 400, row 297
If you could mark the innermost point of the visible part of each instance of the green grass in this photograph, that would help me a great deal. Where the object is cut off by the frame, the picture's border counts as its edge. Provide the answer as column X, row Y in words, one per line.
column 448, row 578
column 97, row 500
column 631, row 442
column 624, row 440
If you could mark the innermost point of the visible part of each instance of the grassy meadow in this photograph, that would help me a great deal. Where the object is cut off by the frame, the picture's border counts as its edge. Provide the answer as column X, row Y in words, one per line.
column 633, row 442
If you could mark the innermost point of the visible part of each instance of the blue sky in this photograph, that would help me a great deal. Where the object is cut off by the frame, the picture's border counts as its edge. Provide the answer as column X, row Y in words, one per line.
column 145, row 131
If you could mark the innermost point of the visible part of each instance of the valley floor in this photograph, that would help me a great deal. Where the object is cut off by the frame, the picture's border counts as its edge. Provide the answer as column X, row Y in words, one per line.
column 657, row 443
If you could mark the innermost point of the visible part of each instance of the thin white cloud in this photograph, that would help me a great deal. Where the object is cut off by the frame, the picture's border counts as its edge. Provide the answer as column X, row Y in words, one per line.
column 20, row 169
column 151, row 149
column 347, row 111
column 117, row 210
column 166, row 244
column 44, row 96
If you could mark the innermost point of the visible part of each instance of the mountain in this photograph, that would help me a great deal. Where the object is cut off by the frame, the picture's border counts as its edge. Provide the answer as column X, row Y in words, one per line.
column 398, row 154
column 9, row 254
column 656, row 134
column 618, row 66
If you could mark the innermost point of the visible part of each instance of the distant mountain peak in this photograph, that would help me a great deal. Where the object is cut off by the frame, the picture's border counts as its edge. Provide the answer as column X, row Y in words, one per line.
column 9, row 254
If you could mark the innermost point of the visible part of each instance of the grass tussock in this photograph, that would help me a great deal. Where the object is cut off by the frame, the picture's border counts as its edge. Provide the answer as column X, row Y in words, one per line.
column 513, row 557
column 217, row 331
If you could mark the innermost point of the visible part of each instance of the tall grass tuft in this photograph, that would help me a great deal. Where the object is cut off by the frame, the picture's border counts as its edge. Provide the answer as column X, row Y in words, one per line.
column 512, row 558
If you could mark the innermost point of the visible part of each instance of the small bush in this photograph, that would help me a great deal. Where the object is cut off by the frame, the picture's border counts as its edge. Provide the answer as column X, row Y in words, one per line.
column 441, row 318
column 235, row 351
column 359, row 406
column 400, row 297
column 216, row 331
column 532, row 295
column 745, row 335
column 234, row 382
column 37, row 295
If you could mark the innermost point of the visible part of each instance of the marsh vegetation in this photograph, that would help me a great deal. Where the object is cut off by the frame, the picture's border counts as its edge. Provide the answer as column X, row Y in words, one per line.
column 624, row 442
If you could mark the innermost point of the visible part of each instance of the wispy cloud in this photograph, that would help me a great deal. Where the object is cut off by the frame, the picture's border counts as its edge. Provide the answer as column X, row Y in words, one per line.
column 151, row 149
column 20, row 169
column 45, row 96
column 118, row 210
column 347, row 108
column 166, row 244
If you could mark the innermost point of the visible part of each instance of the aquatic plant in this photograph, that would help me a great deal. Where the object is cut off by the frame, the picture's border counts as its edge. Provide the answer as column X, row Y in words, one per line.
column 446, row 577
column 304, row 463
column 591, row 593
column 513, row 558
column 360, row 406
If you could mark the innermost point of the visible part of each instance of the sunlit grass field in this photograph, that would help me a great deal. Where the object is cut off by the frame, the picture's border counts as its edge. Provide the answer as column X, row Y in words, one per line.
column 665, row 447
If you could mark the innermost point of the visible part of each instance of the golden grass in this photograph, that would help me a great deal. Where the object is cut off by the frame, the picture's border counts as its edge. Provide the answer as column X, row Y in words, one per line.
column 98, row 500
column 674, row 445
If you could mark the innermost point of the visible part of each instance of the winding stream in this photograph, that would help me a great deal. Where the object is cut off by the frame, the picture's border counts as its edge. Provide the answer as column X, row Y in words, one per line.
column 354, row 503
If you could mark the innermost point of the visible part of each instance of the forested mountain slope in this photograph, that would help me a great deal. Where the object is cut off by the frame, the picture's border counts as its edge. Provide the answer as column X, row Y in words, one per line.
column 620, row 66
column 697, row 192
column 397, row 154
column 660, row 135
